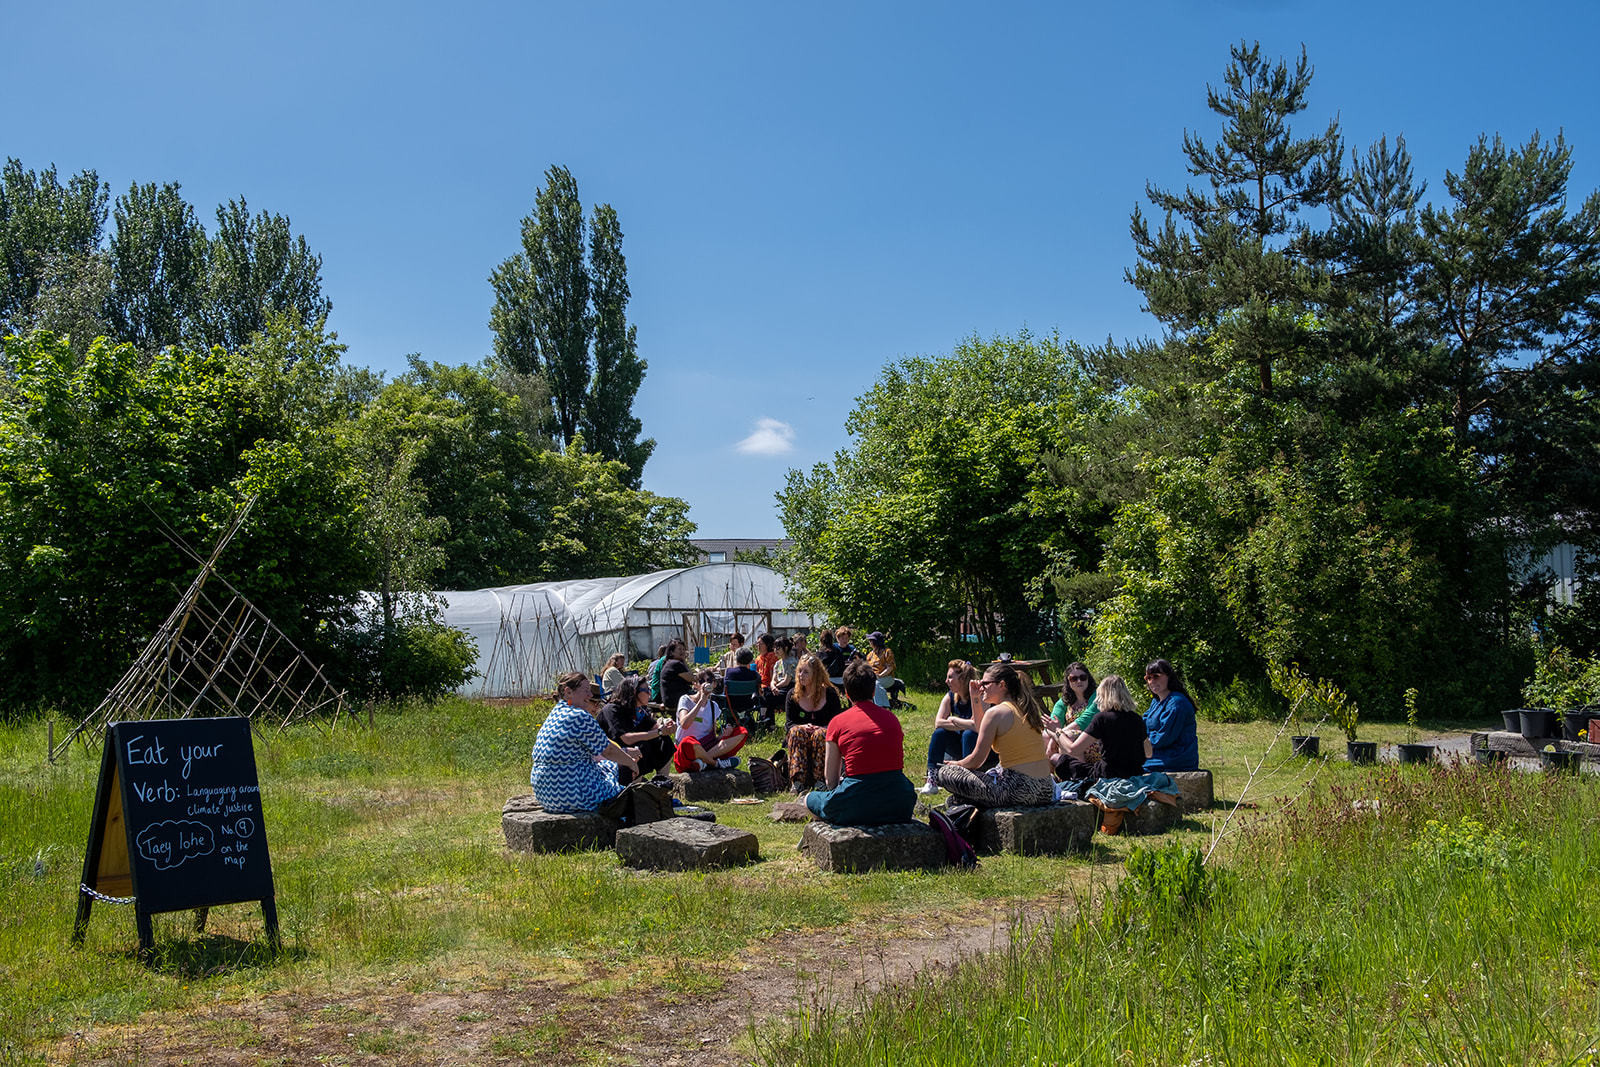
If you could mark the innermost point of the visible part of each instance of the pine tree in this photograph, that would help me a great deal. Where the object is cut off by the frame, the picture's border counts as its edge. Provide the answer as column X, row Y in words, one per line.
column 1233, row 265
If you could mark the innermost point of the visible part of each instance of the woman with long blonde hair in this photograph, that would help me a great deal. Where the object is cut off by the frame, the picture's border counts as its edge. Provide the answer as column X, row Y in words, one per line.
column 1121, row 783
column 809, row 707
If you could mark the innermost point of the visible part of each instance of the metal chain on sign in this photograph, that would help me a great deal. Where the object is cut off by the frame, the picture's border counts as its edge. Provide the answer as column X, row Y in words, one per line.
column 102, row 897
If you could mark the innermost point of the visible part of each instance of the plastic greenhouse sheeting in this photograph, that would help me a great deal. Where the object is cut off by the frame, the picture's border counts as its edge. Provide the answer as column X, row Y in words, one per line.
column 528, row 634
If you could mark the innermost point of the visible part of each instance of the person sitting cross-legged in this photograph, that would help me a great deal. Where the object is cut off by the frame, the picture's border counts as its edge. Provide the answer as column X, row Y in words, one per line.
column 1121, row 784
column 1012, row 726
column 864, row 781
column 700, row 746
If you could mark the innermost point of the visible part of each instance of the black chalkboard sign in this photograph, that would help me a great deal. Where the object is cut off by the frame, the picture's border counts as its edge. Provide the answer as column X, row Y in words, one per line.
column 177, row 822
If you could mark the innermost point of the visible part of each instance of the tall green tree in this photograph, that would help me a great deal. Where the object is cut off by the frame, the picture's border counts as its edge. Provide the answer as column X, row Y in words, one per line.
column 44, row 225
column 158, row 264
column 944, row 507
column 257, row 266
column 103, row 458
column 1233, row 260
column 609, row 425
column 559, row 311
column 516, row 511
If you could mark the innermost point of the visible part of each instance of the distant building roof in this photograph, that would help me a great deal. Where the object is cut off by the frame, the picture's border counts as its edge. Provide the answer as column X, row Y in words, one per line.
column 724, row 549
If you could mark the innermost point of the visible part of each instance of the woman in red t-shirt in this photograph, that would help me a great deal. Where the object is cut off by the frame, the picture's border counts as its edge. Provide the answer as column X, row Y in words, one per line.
column 864, row 765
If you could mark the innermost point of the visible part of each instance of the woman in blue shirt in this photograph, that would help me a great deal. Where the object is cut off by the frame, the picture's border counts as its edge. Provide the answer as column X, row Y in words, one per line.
column 1170, row 721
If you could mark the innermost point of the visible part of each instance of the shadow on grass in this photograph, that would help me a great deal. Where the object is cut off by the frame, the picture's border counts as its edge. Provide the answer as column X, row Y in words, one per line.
column 211, row 955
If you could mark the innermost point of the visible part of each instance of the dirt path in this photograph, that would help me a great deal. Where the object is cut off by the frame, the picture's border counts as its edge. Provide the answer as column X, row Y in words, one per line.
column 700, row 1015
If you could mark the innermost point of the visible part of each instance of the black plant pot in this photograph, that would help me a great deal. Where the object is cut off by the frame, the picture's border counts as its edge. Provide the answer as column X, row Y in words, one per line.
column 1575, row 725
column 1561, row 762
column 1416, row 753
column 1308, row 746
column 1538, row 723
column 1489, row 756
column 1361, row 751
column 1512, row 721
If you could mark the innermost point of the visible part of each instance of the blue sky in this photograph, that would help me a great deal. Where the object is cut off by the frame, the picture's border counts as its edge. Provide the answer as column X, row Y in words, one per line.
column 806, row 191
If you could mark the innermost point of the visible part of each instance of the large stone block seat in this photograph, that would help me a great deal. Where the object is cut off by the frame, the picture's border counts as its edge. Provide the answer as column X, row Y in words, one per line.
column 716, row 786
column 684, row 845
column 529, row 828
column 1047, row 830
column 1153, row 817
column 901, row 846
column 1195, row 789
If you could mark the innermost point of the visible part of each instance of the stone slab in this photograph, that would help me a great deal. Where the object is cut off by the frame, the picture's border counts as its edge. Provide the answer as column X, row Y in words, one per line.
column 1153, row 817
column 524, row 802
column 789, row 811
column 1195, row 789
column 684, row 845
column 1507, row 742
column 716, row 786
column 692, row 812
column 901, row 846
column 540, row 831
column 1049, row 830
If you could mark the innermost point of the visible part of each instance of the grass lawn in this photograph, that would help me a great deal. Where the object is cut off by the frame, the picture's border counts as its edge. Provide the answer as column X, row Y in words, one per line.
column 410, row 933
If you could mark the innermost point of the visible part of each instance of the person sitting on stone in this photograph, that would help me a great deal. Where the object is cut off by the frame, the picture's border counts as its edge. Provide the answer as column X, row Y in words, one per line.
column 881, row 659
column 811, row 706
column 575, row 764
column 1072, row 714
column 1011, row 726
column 1121, row 783
column 628, row 720
column 1170, row 720
column 864, row 781
column 700, row 746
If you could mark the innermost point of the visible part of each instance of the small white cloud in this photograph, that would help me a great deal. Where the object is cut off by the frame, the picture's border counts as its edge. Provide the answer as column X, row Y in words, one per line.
column 770, row 438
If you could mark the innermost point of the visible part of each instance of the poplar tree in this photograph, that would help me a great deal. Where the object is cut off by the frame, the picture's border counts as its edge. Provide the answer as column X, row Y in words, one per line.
column 562, row 314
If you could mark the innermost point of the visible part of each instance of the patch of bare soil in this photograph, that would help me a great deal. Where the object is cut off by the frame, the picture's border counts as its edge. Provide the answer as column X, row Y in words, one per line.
column 657, row 1015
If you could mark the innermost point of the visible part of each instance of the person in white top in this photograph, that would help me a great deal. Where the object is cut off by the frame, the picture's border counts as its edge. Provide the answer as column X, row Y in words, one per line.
column 700, row 746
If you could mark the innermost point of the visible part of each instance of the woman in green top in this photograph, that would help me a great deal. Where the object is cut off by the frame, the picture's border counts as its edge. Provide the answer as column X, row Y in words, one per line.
column 1071, row 716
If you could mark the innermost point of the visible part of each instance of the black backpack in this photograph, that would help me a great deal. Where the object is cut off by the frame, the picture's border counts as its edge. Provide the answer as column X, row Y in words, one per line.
column 957, row 851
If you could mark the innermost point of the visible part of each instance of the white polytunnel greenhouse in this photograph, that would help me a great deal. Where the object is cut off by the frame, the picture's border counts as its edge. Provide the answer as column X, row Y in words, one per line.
column 529, row 634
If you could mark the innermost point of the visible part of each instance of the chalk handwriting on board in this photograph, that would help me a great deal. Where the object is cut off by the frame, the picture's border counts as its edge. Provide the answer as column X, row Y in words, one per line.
column 172, row 842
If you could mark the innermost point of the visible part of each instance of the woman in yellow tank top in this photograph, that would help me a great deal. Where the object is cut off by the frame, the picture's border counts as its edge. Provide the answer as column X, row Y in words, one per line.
column 1012, row 728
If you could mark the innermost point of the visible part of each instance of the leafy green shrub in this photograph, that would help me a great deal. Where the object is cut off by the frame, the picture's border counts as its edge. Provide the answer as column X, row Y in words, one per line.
column 1241, row 700
column 1164, row 886
column 1316, row 697
column 1563, row 680
column 419, row 657
column 1468, row 844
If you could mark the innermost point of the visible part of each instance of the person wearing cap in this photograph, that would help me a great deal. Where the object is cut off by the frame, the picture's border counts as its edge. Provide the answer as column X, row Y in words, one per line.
column 880, row 658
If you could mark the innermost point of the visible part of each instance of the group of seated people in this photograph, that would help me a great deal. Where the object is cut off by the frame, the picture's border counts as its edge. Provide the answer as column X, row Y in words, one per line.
column 993, row 745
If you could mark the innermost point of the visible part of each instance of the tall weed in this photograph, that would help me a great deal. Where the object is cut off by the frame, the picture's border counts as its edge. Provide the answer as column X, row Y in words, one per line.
column 1368, row 924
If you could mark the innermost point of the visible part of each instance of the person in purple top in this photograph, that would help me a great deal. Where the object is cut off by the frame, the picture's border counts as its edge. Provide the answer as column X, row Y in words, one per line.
column 1170, row 720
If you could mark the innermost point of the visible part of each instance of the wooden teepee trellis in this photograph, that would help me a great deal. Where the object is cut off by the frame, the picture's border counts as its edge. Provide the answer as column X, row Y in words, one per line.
column 215, row 655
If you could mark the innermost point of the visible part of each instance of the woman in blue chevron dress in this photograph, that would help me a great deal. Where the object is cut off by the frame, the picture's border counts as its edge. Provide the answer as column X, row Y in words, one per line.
column 575, row 763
